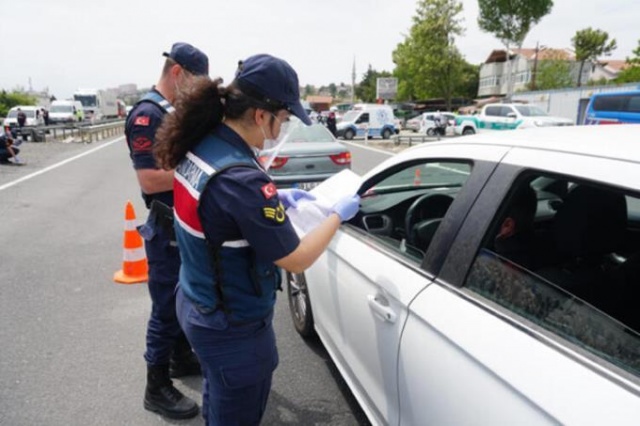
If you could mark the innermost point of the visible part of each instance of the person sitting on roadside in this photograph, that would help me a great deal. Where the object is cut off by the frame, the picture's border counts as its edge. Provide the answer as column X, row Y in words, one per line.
column 8, row 150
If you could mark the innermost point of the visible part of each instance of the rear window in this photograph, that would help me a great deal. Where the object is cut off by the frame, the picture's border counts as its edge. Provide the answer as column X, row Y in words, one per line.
column 313, row 133
column 619, row 103
column 14, row 113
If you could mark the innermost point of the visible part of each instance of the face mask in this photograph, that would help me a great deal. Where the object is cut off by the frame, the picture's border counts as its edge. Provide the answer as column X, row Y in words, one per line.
column 271, row 147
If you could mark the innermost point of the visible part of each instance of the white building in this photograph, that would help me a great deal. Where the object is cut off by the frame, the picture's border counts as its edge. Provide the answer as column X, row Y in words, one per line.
column 495, row 70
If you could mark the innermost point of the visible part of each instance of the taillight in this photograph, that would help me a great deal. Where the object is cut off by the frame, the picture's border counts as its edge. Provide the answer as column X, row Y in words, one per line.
column 342, row 158
column 277, row 162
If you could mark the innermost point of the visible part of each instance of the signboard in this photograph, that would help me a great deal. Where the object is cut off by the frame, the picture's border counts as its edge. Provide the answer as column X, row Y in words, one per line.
column 386, row 88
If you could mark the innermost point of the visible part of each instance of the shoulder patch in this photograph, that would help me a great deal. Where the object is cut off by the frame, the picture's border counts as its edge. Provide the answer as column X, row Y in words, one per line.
column 276, row 214
column 141, row 121
column 141, row 144
column 269, row 190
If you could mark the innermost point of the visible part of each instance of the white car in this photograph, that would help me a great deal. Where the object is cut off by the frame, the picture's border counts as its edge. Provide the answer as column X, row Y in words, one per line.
column 428, row 123
column 489, row 281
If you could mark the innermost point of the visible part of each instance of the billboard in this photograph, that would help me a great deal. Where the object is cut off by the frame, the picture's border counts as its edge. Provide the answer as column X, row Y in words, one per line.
column 386, row 88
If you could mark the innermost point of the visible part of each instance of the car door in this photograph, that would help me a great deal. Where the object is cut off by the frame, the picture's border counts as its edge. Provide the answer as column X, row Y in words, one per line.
column 491, row 342
column 361, row 287
column 362, row 125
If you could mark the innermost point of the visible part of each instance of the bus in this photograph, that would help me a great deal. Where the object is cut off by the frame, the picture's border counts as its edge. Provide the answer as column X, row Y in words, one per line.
column 614, row 108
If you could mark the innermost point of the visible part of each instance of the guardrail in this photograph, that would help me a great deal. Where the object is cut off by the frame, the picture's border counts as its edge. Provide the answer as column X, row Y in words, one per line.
column 80, row 132
column 417, row 139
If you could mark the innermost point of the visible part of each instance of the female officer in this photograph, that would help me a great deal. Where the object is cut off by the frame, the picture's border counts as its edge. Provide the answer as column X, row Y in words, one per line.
column 233, row 232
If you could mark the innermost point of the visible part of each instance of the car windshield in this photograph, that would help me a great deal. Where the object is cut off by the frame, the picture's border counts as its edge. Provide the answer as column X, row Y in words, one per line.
column 61, row 108
column 14, row 113
column 530, row 111
column 350, row 115
column 431, row 175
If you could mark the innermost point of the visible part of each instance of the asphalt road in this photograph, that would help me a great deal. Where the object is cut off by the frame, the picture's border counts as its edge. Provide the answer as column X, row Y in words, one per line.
column 73, row 339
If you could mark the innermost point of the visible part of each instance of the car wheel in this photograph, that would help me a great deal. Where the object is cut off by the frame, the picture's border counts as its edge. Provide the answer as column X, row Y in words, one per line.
column 300, row 305
column 386, row 134
column 468, row 131
column 431, row 132
column 349, row 134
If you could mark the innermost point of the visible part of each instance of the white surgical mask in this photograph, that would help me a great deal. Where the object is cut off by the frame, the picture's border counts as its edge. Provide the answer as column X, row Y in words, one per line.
column 271, row 147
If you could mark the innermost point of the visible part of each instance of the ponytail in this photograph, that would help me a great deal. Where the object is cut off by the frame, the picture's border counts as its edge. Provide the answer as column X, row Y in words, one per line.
column 198, row 110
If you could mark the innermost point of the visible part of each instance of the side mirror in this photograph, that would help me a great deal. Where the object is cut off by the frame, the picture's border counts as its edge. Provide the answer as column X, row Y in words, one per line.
column 512, row 115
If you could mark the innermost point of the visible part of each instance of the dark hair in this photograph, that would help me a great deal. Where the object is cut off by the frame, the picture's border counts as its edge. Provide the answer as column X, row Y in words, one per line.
column 523, row 208
column 199, row 109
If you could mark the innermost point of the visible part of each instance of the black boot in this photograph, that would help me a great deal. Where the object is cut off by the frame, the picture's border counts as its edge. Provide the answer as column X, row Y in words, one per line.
column 183, row 361
column 163, row 398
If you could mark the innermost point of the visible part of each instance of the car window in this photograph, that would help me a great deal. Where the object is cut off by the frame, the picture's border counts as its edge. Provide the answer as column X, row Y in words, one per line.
column 364, row 118
column 405, row 208
column 565, row 255
column 493, row 111
column 299, row 132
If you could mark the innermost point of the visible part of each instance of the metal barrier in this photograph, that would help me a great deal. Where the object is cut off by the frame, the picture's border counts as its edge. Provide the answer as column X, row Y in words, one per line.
column 85, row 133
column 411, row 139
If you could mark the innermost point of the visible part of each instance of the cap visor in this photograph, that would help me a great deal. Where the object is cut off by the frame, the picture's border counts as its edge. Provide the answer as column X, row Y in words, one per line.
column 299, row 112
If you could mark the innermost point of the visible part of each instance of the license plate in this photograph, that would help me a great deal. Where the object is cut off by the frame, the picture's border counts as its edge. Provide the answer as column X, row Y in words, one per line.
column 307, row 185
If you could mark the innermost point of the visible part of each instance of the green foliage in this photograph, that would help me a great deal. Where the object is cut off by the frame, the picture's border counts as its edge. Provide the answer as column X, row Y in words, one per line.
column 427, row 62
column 366, row 90
column 589, row 44
column 631, row 74
column 309, row 90
column 511, row 20
column 10, row 99
column 553, row 73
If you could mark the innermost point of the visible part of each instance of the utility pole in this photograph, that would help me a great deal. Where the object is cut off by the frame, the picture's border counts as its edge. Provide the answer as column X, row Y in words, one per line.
column 353, row 81
column 535, row 67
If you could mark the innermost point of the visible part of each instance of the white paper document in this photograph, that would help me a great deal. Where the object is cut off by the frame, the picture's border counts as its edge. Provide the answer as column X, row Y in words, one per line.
column 309, row 213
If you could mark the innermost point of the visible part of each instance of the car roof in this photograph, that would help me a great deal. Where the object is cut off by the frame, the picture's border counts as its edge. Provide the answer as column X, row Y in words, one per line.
column 620, row 141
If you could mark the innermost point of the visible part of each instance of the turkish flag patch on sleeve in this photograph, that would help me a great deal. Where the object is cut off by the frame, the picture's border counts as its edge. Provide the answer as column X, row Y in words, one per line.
column 269, row 190
column 141, row 121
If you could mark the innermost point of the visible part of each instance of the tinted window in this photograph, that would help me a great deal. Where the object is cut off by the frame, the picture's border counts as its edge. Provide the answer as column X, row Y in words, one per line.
column 493, row 111
column 364, row 118
column 566, row 256
column 620, row 103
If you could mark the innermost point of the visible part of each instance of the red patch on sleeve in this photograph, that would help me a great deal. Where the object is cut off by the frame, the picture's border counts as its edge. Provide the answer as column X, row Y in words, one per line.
column 269, row 190
column 141, row 144
column 141, row 121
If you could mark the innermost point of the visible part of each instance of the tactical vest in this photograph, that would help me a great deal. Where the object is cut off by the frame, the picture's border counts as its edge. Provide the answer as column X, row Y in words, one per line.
column 228, row 276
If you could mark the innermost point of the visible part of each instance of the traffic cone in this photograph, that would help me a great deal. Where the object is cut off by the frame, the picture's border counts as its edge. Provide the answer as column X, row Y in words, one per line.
column 416, row 178
column 134, row 265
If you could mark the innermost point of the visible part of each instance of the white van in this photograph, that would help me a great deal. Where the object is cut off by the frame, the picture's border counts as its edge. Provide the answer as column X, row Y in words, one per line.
column 372, row 120
column 65, row 112
column 33, row 121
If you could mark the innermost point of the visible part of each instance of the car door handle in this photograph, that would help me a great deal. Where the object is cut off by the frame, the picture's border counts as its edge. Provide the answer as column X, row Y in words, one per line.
column 380, row 306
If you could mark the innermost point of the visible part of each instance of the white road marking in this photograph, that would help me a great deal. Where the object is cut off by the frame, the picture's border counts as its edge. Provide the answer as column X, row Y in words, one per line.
column 61, row 163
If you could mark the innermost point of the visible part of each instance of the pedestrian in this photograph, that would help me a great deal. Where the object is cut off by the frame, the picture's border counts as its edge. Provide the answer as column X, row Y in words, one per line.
column 233, row 232
column 8, row 149
column 22, row 118
column 331, row 124
column 168, row 353
column 45, row 116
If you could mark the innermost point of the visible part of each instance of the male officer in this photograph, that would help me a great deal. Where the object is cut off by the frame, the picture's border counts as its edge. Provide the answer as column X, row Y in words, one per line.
column 168, row 353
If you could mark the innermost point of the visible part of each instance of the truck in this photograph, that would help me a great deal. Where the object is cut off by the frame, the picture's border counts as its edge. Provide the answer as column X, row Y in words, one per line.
column 97, row 104
column 506, row 116
column 367, row 120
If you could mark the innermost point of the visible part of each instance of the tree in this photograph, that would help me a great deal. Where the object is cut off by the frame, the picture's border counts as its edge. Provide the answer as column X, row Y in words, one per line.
column 554, row 72
column 366, row 89
column 427, row 62
column 309, row 90
column 631, row 74
column 589, row 44
column 10, row 99
column 510, row 21
column 333, row 89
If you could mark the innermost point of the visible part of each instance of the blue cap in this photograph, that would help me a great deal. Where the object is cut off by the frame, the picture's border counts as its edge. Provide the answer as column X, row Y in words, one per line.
column 273, row 81
column 189, row 58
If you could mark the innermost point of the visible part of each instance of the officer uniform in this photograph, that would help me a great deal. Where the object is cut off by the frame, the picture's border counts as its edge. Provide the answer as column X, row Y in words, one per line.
column 167, row 350
column 230, row 226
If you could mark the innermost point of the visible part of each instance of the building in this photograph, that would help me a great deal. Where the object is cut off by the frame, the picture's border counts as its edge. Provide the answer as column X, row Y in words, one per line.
column 524, row 62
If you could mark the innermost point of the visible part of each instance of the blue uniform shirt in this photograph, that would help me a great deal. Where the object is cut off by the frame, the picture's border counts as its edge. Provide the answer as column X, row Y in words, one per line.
column 242, row 203
column 141, row 127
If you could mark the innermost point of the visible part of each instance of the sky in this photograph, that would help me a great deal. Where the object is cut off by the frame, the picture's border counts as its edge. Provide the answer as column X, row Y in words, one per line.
column 64, row 45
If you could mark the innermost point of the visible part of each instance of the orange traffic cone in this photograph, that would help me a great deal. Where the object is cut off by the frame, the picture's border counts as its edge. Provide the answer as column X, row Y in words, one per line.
column 416, row 178
column 134, row 265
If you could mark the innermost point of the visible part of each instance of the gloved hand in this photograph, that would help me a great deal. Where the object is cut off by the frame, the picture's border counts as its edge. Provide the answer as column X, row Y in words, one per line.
column 290, row 197
column 347, row 207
